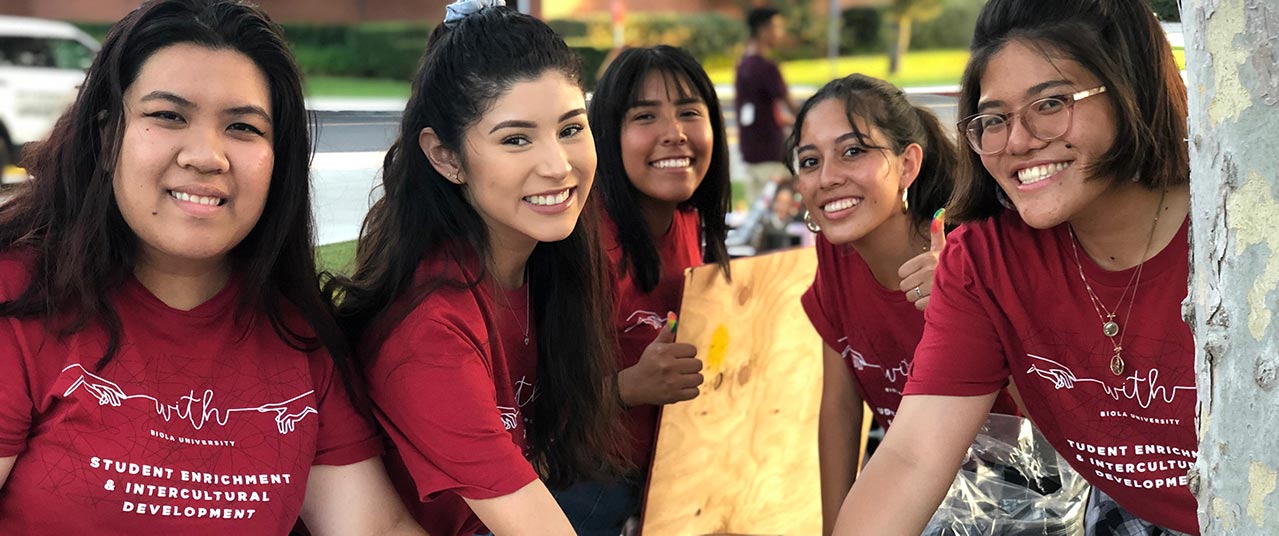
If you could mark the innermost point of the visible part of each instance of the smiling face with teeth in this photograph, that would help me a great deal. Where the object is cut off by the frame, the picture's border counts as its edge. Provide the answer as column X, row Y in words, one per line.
column 667, row 140
column 1048, row 181
column 196, row 158
column 850, row 188
column 528, row 169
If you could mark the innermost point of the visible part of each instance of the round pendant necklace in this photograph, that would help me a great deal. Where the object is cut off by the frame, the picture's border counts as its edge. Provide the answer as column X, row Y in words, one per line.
column 1109, row 328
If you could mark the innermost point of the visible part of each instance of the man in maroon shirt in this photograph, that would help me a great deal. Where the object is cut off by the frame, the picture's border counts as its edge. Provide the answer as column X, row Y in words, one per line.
column 763, row 102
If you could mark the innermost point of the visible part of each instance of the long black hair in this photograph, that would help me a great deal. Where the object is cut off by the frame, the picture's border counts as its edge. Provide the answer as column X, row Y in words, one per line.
column 617, row 92
column 1118, row 41
column 68, row 219
column 465, row 69
column 883, row 105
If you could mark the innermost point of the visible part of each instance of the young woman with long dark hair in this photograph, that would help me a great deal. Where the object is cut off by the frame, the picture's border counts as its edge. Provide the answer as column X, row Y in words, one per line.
column 479, row 299
column 664, row 190
column 167, row 362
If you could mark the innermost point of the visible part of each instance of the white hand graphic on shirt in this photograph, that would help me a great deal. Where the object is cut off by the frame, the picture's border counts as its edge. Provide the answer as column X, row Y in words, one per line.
column 198, row 411
column 1144, row 390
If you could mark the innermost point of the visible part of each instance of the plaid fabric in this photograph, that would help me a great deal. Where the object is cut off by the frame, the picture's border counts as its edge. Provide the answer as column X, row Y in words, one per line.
column 1106, row 518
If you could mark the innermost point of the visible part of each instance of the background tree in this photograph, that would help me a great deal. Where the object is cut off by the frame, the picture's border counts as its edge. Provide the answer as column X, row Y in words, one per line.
column 1232, row 67
column 904, row 13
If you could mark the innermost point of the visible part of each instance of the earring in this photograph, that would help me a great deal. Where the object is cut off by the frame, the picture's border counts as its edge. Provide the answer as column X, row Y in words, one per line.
column 810, row 224
column 905, row 202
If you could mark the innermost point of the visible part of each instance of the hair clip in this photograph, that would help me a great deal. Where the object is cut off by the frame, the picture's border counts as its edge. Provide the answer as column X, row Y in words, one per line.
column 462, row 9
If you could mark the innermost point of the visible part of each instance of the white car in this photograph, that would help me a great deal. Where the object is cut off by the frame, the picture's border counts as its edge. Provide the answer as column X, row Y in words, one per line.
column 42, row 65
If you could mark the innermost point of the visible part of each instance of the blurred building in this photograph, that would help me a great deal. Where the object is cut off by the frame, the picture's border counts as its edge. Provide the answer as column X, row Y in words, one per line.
column 326, row 11
column 347, row 11
column 569, row 8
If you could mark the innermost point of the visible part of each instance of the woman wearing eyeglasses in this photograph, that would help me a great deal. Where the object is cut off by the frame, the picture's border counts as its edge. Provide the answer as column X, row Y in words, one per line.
column 1066, row 277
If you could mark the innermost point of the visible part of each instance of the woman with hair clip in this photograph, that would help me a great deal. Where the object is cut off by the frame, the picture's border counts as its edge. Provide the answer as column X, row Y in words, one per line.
column 664, row 189
column 1066, row 277
column 478, row 297
column 167, row 362
column 872, row 170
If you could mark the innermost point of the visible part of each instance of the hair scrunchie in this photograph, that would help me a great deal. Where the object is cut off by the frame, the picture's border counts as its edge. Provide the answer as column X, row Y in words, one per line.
column 462, row 9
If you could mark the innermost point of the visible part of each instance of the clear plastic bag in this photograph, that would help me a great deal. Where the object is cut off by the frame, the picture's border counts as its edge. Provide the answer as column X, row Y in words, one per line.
column 1012, row 482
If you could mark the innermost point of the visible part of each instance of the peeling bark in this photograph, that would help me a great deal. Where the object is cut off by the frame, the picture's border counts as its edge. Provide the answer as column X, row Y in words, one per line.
column 1232, row 67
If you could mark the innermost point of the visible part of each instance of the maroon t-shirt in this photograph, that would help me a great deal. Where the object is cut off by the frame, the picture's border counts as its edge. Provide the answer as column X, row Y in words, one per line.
column 873, row 328
column 1008, row 301
column 759, row 86
column 452, row 386
column 641, row 315
column 205, row 421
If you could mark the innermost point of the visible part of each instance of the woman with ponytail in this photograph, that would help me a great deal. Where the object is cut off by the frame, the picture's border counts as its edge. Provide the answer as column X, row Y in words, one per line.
column 873, row 170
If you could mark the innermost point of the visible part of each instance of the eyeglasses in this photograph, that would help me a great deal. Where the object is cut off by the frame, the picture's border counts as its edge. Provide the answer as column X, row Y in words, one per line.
column 1046, row 119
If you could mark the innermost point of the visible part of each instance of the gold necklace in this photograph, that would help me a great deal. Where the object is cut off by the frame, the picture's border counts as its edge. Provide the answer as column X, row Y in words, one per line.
column 1110, row 328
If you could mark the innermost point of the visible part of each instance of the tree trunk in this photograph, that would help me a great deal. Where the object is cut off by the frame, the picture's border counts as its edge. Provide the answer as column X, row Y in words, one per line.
column 1232, row 61
column 902, row 46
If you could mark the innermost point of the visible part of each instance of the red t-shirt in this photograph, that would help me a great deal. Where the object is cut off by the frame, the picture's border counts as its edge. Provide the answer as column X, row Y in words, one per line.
column 640, row 316
column 875, row 329
column 201, row 424
column 1008, row 300
column 452, row 386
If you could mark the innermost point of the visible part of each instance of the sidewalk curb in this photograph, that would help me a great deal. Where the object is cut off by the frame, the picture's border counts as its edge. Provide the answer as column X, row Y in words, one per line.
column 725, row 92
column 356, row 104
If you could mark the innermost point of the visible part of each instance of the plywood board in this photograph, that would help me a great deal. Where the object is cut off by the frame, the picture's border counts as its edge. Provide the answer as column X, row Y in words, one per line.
column 741, row 458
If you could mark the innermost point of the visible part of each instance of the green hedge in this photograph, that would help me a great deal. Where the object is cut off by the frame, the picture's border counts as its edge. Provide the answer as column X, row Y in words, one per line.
column 374, row 50
column 371, row 50
column 953, row 28
column 863, row 31
column 1167, row 10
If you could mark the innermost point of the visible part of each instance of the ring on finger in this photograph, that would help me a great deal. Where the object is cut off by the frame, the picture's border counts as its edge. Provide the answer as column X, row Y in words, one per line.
column 919, row 294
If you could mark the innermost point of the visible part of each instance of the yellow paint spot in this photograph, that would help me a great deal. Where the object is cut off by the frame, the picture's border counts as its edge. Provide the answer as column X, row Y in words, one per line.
column 1261, row 482
column 1251, row 214
column 1221, row 512
column 1230, row 99
column 719, row 347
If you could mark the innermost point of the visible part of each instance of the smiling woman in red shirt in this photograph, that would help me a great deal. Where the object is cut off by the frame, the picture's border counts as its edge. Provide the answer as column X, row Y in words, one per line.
column 167, row 362
column 1067, row 275
column 664, row 190
column 873, row 169
column 479, row 296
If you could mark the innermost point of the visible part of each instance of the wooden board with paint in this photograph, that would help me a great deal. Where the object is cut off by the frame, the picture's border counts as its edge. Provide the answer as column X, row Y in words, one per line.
column 741, row 458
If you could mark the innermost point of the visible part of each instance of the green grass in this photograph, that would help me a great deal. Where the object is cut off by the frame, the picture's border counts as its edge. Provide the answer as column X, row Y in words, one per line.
column 923, row 68
column 338, row 258
column 337, row 86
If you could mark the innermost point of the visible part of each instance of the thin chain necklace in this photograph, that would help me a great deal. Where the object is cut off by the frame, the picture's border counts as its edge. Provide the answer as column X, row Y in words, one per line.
column 502, row 292
column 1109, row 328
